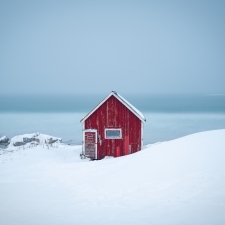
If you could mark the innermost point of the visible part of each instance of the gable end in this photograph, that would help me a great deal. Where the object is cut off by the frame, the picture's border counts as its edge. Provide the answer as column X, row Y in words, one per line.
column 123, row 101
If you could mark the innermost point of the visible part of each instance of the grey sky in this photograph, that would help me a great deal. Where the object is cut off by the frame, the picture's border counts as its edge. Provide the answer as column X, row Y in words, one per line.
column 98, row 46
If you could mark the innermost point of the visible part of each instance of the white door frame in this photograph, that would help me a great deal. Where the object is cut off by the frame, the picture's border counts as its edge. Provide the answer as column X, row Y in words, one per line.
column 96, row 140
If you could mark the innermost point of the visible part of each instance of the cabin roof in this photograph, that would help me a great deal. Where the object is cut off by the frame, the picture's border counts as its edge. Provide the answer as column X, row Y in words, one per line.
column 123, row 101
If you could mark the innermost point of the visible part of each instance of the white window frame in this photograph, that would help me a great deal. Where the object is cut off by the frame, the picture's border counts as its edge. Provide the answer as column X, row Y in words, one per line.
column 113, row 129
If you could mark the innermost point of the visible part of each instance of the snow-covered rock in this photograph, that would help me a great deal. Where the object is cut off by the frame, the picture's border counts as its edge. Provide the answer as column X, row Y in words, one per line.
column 4, row 140
column 37, row 138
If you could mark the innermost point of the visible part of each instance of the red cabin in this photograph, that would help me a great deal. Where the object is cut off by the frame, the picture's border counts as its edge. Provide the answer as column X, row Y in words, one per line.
column 113, row 128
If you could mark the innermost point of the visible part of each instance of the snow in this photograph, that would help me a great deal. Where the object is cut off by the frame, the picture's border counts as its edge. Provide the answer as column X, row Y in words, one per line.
column 175, row 182
column 132, row 107
column 3, row 138
column 41, row 137
column 121, row 99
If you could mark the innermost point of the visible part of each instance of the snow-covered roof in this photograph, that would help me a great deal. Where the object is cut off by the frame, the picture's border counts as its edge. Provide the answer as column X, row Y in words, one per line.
column 123, row 101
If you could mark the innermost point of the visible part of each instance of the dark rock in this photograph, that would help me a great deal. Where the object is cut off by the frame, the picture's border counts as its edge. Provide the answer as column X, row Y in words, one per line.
column 4, row 140
column 19, row 143
column 51, row 140
column 36, row 139
column 27, row 140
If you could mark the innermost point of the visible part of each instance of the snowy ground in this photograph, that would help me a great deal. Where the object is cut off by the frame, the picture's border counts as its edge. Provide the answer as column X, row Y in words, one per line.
column 175, row 182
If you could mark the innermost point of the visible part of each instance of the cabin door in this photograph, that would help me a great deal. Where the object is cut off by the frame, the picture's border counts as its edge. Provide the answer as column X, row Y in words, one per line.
column 90, row 143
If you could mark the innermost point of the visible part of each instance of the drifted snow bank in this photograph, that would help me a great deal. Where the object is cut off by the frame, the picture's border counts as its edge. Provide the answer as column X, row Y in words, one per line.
column 173, row 183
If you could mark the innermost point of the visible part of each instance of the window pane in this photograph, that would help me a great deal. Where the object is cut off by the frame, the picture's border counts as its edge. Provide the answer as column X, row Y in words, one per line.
column 112, row 133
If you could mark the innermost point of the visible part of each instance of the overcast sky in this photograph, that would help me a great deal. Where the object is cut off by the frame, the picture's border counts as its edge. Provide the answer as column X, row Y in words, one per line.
column 71, row 47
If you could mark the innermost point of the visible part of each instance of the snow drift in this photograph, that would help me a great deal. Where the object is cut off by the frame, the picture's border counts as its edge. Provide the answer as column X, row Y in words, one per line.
column 175, row 182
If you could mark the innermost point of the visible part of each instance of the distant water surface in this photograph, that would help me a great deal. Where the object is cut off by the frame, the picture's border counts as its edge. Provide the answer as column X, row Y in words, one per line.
column 84, row 103
column 168, row 117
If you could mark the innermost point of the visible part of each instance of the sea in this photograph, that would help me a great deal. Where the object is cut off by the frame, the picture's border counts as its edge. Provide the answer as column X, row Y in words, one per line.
column 168, row 117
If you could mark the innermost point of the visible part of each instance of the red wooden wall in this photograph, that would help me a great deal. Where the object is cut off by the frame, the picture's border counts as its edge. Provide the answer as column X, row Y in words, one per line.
column 113, row 114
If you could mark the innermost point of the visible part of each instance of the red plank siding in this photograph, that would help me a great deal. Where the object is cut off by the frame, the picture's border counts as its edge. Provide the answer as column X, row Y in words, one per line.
column 113, row 114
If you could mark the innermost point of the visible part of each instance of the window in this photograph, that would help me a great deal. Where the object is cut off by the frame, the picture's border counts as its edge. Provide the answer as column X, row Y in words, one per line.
column 113, row 133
